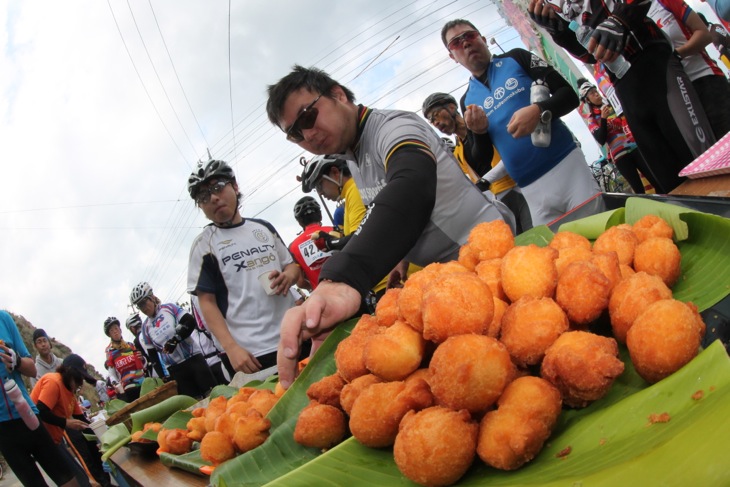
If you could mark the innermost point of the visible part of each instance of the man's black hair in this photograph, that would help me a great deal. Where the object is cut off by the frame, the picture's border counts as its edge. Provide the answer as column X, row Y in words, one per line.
column 312, row 79
column 453, row 23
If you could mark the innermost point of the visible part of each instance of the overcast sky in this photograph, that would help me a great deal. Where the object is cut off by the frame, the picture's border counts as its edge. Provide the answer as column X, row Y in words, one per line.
column 107, row 106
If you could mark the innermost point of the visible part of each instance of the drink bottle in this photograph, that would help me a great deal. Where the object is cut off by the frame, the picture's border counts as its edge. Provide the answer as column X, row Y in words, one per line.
column 24, row 409
column 618, row 66
column 539, row 91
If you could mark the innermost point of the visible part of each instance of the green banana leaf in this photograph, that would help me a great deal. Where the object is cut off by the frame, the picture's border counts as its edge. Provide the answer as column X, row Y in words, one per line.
column 149, row 384
column 281, row 457
column 612, row 442
column 114, row 406
column 280, row 453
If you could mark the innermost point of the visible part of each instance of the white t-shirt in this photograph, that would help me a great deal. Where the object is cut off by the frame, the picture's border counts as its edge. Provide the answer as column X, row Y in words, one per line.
column 227, row 262
column 156, row 331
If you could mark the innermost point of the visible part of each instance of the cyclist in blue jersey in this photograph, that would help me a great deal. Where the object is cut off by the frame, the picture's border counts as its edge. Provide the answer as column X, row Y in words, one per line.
column 497, row 109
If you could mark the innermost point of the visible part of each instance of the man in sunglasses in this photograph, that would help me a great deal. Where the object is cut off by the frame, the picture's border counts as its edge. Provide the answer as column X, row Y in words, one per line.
column 497, row 109
column 241, row 271
column 421, row 207
column 442, row 111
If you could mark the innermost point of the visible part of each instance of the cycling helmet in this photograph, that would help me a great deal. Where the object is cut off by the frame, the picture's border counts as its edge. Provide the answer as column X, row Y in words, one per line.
column 140, row 291
column 108, row 324
column 207, row 170
column 584, row 89
column 436, row 100
column 133, row 321
column 449, row 143
column 316, row 167
column 306, row 206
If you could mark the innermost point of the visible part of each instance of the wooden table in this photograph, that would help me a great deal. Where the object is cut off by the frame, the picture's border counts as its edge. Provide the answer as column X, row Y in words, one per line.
column 718, row 186
column 140, row 470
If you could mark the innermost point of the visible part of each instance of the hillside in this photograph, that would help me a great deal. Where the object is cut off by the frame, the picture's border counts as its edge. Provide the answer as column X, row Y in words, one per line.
column 60, row 350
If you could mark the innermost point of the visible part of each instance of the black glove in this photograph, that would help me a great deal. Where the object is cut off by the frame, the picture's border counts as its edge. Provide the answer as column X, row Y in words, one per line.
column 551, row 23
column 171, row 344
column 332, row 243
column 611, row 34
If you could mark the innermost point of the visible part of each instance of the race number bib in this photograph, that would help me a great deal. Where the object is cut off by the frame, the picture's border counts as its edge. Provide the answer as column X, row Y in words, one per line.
column 313, row 257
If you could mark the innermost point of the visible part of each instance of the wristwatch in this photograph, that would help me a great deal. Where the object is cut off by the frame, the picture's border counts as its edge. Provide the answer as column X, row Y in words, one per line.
column 546, row 116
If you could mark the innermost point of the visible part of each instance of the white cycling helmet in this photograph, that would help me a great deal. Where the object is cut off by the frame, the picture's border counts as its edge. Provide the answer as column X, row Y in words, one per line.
column 139, row 292
column 133, row 321
column 316, row 168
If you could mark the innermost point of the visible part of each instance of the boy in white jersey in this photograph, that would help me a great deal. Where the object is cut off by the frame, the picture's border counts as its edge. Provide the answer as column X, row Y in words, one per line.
column 228, row 262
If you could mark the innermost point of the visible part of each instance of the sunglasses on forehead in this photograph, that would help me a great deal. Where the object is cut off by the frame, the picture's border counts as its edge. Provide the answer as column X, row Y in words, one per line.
column 458, row 41
column 304, row 121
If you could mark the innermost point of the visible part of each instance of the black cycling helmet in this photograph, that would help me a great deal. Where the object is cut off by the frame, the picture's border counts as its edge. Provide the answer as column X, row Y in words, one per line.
column 436, row 100
column 307, row 206
column 108, row 324
column 316, row 168
column 208, row 170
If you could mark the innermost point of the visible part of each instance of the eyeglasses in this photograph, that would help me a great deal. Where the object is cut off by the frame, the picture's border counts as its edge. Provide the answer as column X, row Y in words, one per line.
column 141, row 303
column 203, row 196
column 434, row 113
column 458, row 41
column 304, row 121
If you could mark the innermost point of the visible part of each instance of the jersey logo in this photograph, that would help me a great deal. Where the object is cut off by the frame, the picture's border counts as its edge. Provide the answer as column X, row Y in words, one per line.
column 499, row 93
column 511, row 84
column 498, row 64
column 260, row 235
column 488, row 102
column 536, row 62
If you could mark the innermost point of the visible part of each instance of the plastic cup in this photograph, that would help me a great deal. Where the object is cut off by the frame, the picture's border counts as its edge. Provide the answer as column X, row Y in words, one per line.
column 266, row 283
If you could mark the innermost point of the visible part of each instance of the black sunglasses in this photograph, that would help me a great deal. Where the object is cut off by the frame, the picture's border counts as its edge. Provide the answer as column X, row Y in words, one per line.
column 304, row 121
column 458, row 41
column 203, row 196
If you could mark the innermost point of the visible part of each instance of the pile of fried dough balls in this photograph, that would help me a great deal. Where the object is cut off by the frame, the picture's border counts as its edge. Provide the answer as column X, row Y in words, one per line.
column 225, row 427
column 447, row 368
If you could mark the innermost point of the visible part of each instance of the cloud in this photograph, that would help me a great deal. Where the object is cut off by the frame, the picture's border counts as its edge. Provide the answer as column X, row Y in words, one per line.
column 96, row 156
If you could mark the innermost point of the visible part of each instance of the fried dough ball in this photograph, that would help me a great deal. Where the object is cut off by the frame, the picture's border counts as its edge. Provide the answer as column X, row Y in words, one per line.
column 216, row 448
column 664, row 338
column 242, row 395
column 409, row 299
column 530, row 326
column 250, row 431
column 529, row 271
column 564, row 240
column 349, row 356
column 353, row 389
column 320, row 426
column 198, row 412
column 463, row 292
column 156, row 427
column 515, row 433
column 174, row 441
column 621, row 239
column 215, row 408
column 424, row 374
column 495, row 327
column 659, row 257
column 583, row 292
column 568, row 255
column 608, row 263
column 137, row 436
column 226, row 421
column 436, row 446
column 582, row 366
column 395, row 353
column 626, row 271
column 386, row 311
column 470, row 372
column 487, row 240
column 262, row 401
column 196, row 428
column 630, row 298
column 378, row 410
column 327, row 390
column 279, row 390
column 490, row 271
column 649, row 226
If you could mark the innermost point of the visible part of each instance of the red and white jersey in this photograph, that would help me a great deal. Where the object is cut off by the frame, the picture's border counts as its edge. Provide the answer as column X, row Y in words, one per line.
column 670, row 16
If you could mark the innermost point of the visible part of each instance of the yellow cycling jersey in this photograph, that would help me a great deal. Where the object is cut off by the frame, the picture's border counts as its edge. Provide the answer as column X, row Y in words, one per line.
column 502, row 184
